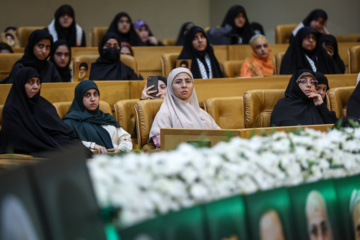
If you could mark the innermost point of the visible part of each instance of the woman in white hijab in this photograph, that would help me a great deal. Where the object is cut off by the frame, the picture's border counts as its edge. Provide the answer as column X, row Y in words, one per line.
column 180, row 108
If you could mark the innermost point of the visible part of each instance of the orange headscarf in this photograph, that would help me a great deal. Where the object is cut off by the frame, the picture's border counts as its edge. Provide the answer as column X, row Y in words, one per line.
column 256, row 66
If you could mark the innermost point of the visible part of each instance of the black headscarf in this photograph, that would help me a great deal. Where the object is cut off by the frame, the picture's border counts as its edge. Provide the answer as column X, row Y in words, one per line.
column 181, row 36
column 109, row 67
column 131, row 37
column 331, row 40
column 313, row 15
column 31, row 125
column 328, row 116
column 88, row 124
column 65, row 72
column 5, row 46
column 295, row 58
column 353, row 105
column 45, row 68
column 189, row 52
column 68, row 34
column 296, row 108
column 245, row 33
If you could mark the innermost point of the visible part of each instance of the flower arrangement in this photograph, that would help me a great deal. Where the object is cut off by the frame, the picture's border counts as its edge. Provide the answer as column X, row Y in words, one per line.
column 146, row 185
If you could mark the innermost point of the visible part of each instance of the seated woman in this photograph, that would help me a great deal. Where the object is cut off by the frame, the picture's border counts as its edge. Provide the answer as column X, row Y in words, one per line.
column 123, row 28
column 61, row 56
column 316, row 19
column 145, row 34
column 306, row 53
column 5, row 48
column 97, row 130
column 108, row 66
column 180, row 108
column 329, row 43
column 301, row 105
column 126, row 49
column 197, row 48
column 353, row 105
column 35, row 55
column 183, row 30
column 260, row 64
column 30, row 123
column 322, row 87
column 64, row 27
column 161, row 93
column 241, row 31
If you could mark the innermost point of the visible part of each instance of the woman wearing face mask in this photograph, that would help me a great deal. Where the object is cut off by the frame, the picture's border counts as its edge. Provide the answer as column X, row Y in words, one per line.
column 30, row 123
column 36, row 54
column 260, row 64
column 197, row 48
column 241, row 31
column 180, row 108
column 123, row 27
column 302, row 105
column 108, row 66
column 329, row 43
column 61, row 56
column 305, row 52
column 64, row 27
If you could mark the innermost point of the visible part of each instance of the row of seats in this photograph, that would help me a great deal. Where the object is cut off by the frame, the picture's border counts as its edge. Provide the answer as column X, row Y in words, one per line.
column 251, row 110
column 284, row 31
column 282, row 35
column 161, row 60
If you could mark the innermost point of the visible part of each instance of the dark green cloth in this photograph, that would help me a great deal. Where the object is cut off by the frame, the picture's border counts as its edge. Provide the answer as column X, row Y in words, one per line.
column 88, row 124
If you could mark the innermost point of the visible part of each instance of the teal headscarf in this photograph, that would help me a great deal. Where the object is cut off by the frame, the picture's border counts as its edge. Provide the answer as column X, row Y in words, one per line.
column 87, row 124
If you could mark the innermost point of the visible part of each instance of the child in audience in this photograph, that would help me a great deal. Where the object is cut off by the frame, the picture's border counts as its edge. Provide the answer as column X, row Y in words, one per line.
column 61, row 57
column 145, row 34
column 260, row 64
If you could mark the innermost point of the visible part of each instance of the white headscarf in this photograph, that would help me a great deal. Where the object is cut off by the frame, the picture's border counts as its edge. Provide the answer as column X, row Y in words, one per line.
column 177, row 113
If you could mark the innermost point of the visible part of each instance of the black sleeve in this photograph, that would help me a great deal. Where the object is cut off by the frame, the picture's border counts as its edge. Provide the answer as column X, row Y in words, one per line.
column 15, row 69
column 131, row 75
column 327, row 116
column 83, row 41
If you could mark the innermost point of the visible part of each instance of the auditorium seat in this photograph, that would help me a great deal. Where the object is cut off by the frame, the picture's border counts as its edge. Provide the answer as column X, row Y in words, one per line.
column 258, row 106
column 168, row 61
column 339, row 98
column 1, row 109
column 23, row 33
column 97, row 34
column 169, row 41
column 128, row 60
column 277, row 62
column 283, row 32
column 354, row 64
column 232, row 68
column 228, row 112
column 19, row 50
column 146, row 111
column 125, row 116
column 7, row 61
column 347, row 37
column 63, row 107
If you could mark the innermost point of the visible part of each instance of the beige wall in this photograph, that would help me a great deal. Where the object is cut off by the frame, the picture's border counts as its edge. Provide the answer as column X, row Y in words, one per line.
column 166, row 16
column 344, row 15
column 163, row 16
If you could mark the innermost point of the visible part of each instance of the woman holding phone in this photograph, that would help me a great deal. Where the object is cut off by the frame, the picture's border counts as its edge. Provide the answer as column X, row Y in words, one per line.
column 154, row 88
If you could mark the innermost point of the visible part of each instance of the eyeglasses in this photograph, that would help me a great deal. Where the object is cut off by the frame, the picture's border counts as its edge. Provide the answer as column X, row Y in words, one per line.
column 303, row 81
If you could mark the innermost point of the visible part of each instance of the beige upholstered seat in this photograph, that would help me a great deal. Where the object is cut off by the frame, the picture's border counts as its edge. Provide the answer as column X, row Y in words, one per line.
column 168, row 61
column 63, row 107
column 258, row 106
column 97, row 34
column 126, row 117
column 7, row 61
column 283, row 32
column 354, row 64
column 23, row 33
column 146, row 111
column 339, row 98
column 228, row 112
column 169, row 41
column 232, row 68
column 277, row 61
